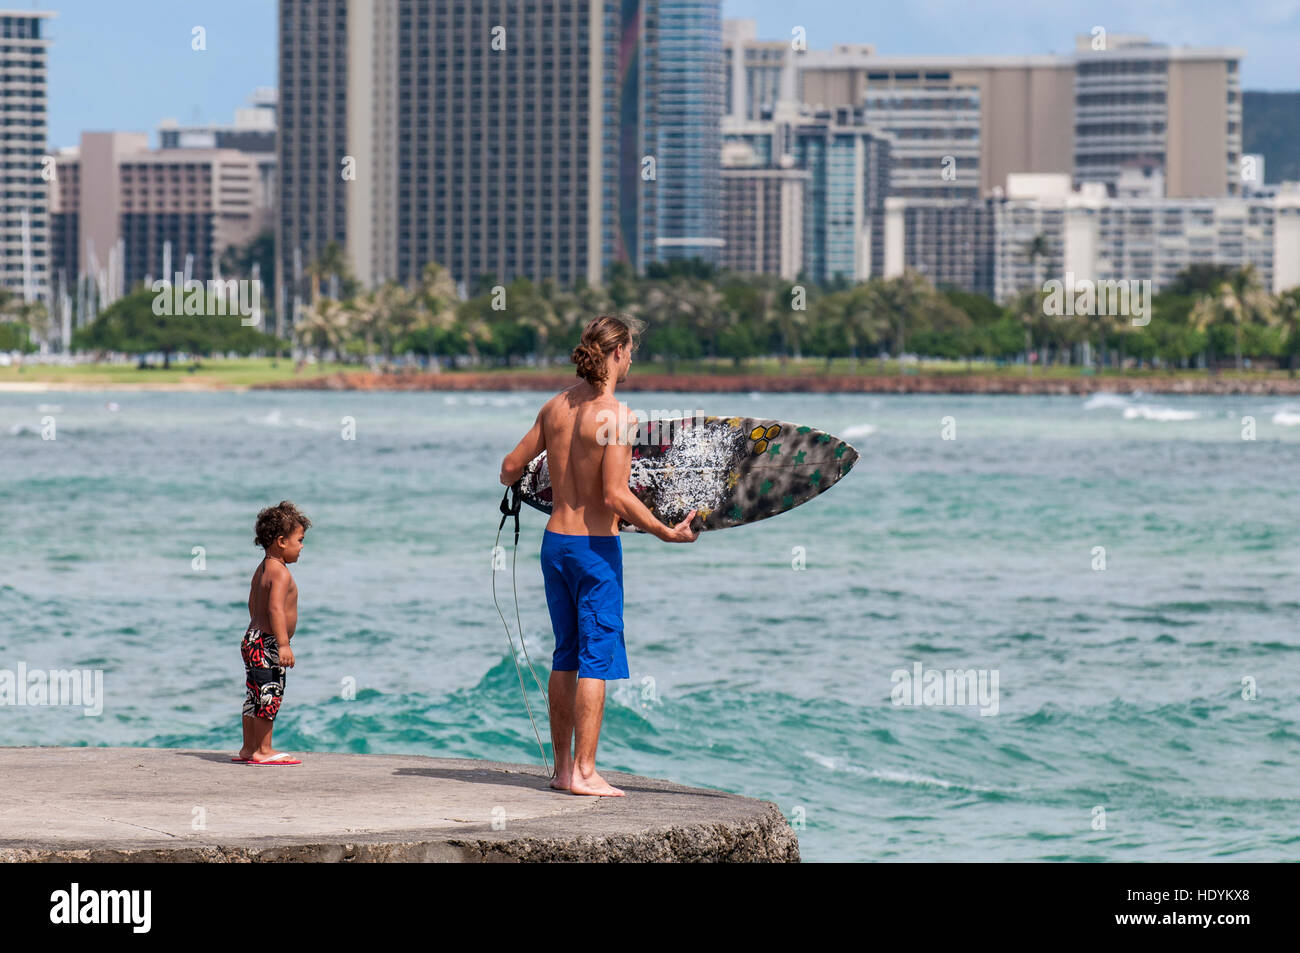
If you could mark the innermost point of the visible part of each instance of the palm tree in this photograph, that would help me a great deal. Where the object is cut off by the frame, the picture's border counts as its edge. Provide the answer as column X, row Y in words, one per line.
column 436, row 302
column 704, row 308
column 1241, row 299
column 907, row 298
column 781, row 316
column 324, row 327
column 332, row 261
column 1288, row 315
column 365, row 313
column 1036, row 248
column 398, row 315
column 851, row 313
column 657, row 305
column 1027, row 308
column 546, row 312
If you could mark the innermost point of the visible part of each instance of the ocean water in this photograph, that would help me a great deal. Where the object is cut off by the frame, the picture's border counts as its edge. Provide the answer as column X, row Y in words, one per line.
column 1127, row 568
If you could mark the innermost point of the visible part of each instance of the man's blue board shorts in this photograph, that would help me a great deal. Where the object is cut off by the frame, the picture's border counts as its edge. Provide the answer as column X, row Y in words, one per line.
column 584, row 591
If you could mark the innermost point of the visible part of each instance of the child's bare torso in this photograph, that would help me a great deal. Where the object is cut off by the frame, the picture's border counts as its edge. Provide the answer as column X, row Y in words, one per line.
column 259, row 597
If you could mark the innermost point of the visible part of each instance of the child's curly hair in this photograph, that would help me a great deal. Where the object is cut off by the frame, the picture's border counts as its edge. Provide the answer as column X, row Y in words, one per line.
column 276, row 521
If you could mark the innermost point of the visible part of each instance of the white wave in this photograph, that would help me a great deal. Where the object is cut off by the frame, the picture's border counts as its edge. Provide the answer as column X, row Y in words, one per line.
column 821, row 759
column 49, row 409
column 1286, row 418
column 272, row 419
column 1164, row 414
column 1105, row 399
column 859, row 430
column 310, row 424
column 893, row 777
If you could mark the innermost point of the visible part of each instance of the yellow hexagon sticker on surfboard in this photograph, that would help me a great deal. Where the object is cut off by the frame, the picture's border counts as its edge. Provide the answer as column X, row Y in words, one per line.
column 761, row 435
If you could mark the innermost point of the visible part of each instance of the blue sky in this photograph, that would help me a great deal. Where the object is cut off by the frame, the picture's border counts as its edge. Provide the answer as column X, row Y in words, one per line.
column 126, row 64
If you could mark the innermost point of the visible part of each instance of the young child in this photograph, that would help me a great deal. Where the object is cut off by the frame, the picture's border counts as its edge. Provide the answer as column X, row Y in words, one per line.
column 273, row 616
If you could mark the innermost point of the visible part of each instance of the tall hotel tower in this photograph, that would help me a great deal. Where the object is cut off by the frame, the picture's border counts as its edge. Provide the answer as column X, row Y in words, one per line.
column 25, row 219
column 546, row 139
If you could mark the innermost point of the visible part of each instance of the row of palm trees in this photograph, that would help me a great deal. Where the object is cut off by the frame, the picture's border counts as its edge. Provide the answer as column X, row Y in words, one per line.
column 693, row 311
column 689, row 313
column 1210, row 311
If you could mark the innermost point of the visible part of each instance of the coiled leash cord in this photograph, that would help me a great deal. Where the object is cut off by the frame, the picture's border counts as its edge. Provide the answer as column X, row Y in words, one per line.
column 510, row 503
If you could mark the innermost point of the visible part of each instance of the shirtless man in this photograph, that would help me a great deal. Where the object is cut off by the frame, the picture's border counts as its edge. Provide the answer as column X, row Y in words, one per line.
column 273, row 618
column 582, row 556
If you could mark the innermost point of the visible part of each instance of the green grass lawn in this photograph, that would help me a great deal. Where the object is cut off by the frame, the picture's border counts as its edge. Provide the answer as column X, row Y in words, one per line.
column 241, row 372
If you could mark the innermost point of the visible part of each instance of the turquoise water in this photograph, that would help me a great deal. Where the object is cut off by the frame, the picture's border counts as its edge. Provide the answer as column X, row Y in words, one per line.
column 1118, row 688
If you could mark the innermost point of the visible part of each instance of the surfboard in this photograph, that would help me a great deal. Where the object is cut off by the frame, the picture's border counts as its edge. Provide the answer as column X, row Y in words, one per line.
column 734, row 470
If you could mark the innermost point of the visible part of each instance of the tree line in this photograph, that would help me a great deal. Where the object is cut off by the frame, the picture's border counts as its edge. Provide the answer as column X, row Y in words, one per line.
column 1210, row 316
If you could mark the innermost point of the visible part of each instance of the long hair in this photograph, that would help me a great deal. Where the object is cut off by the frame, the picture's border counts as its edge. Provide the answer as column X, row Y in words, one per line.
column 599, row 339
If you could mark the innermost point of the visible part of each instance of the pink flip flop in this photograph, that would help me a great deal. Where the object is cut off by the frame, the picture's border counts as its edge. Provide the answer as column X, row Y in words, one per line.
column 281, row 758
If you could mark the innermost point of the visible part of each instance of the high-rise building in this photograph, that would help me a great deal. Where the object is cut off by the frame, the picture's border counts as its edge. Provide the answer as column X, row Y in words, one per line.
column 962, row 124
column 1040, row 228
column 689, row 88
column 312, row 145
column 948, row 241
column 762, row 213
column 252, row 132
column 1179, row 107
column 849, row 168
column 759, row 73
column 123, row 212
column 498, row 139
column 24, row 216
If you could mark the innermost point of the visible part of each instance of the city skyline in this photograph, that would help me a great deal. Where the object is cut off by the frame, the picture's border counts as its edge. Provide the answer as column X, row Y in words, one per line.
column 145, row 46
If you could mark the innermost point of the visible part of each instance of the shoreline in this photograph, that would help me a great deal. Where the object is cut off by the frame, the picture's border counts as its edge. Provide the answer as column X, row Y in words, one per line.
column 955, row 383
column 43, row 387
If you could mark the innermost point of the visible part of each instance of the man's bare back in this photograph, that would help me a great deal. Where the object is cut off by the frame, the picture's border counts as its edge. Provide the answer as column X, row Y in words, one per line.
column 570, row 423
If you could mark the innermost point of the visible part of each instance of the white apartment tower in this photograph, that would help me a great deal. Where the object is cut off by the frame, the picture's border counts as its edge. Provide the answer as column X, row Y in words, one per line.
column 24, row 218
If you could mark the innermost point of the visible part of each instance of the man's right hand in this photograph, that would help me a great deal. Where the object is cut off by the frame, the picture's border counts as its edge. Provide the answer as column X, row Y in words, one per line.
column 683, row 532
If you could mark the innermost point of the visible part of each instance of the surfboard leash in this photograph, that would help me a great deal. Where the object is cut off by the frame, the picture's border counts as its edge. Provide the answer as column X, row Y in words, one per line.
column 510, row 504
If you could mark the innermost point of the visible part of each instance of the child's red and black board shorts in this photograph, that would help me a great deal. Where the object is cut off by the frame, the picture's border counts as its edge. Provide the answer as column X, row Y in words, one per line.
column 263, row 674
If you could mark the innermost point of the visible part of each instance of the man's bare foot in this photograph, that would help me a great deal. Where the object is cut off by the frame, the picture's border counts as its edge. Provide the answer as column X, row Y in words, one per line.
column 593, row 784
column 562, row 779
column 244, row 754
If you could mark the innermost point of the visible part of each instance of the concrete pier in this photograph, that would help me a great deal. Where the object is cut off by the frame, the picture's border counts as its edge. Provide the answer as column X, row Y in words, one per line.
column 172, row 805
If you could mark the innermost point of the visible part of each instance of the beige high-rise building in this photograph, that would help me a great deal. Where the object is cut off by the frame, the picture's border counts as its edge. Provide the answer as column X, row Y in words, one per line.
column 1178, row 107
column 121, row 210
column 962, row 124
